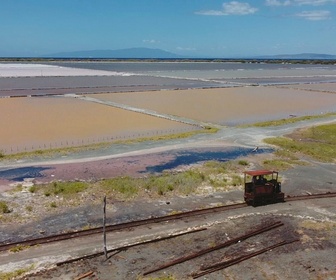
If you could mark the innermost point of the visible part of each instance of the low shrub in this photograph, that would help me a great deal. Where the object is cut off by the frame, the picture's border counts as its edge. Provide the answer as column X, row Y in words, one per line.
column 4, row 207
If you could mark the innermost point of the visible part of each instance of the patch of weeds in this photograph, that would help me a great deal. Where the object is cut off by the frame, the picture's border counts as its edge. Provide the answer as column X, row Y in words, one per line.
column 285, row 154
column 4, row 207
column 2, row 155
column 243, row 162
column 124, row 187
column 182, row 183
column 53, row 204
column 33, row 189
column 216, row 167
column 218, row 182
column 19, row 248
column 291, row 120
column 86, row 227
column 29, row 208
column 175, row 212
column 318, row 142
column 66, row 189
column 16, row 273
column 236, row 180
column 207, row 129
column 276, row 164
column 308, row 224
column 18, row 188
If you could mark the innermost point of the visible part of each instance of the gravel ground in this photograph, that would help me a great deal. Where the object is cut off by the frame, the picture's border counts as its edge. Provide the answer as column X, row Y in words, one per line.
column 312, row 223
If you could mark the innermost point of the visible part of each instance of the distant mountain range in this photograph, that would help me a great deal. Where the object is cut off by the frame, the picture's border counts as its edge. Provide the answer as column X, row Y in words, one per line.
column 143, row 53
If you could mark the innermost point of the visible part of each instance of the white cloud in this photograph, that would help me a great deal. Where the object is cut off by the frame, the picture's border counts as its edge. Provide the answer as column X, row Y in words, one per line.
column 314, row 15
column 314, row 2
column 186, row 49
column 152, row 41
column 231, row 8
column 279, row 3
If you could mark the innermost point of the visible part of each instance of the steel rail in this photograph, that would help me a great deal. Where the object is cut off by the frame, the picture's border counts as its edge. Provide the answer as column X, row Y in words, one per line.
column 118, row 249
column 122, row 226
column 222, row 265
column 220, row 246
column 82, row 233
column 310, row 196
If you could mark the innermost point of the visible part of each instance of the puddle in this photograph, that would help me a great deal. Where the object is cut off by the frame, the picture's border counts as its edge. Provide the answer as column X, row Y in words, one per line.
column 19, row 174
column 194, row 157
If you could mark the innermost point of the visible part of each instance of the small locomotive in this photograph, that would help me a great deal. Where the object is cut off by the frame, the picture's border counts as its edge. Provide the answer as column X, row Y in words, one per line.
column 262, row 187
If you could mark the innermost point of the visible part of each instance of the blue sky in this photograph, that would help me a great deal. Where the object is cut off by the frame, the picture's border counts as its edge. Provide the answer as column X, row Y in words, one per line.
column 208, row 28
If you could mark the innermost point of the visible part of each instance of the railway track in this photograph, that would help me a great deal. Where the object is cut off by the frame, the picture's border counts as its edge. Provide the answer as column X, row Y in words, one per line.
column 132, row 224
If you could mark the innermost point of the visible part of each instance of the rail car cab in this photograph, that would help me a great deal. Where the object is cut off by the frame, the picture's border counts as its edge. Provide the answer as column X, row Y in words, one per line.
column 262, row 187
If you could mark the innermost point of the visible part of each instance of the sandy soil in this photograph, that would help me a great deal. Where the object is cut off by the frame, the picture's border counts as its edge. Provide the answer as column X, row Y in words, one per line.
column 325, row 87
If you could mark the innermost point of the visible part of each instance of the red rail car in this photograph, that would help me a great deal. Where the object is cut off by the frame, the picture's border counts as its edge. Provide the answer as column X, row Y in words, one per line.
column 262, row 187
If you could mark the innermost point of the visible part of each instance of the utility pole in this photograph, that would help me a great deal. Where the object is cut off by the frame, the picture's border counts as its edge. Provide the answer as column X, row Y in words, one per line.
column 104, row 230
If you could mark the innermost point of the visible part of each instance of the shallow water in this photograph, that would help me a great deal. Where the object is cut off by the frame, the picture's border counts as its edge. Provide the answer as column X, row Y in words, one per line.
column 144, row 76
column 194, row 157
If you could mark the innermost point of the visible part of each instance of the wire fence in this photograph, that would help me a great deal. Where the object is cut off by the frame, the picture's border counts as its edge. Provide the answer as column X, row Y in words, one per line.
column 68, row 143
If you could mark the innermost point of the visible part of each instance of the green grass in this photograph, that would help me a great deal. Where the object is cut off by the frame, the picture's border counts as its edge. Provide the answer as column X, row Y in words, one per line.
column 277, row 164
column 47, row 153
column 290, row 120
column 317, row 142
column 32, row 189
column 174, row 183
column 243, row 162
column 183, row 183
column 124, row 187
column 16, row 273
column 206, row 129
column 19, row 248
column 128, row 188
column 53, row 204
column 65, row 189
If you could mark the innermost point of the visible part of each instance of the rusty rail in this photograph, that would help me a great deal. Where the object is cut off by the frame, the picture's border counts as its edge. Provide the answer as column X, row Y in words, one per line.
column 123, row 226
column 220, row 246
column 82, row 233
column 222, row 265
column 90, row 256
column 311, row 196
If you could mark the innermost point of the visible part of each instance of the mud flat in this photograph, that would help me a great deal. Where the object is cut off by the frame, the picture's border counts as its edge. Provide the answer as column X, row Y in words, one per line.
column 227, row 106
